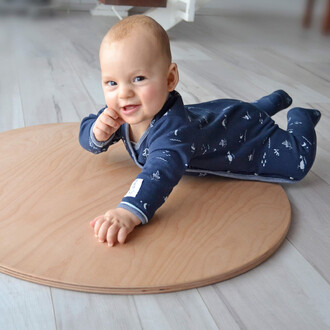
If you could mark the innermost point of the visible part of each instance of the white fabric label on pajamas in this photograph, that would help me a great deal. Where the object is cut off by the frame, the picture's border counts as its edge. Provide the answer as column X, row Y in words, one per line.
column 134, row 189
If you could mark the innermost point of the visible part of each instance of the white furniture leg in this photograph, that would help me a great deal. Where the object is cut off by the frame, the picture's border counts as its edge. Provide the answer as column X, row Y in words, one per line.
column 107, row 10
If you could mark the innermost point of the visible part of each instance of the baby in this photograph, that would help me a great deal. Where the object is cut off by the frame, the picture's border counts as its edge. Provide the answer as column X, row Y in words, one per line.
column 166, row 139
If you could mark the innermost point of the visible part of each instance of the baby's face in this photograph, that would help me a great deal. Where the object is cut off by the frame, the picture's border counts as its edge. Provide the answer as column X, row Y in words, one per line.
column 135, row 78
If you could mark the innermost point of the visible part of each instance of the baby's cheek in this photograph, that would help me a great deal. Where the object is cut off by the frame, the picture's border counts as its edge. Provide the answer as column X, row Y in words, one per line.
column 155, row 96
column 110, row 99
column 148, row 93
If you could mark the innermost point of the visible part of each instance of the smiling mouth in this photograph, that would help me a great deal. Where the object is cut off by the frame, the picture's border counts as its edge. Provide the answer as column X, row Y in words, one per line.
column 129, row 109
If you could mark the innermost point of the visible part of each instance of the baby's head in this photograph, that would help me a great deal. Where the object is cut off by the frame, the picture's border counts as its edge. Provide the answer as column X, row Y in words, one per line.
column 142, row 26
column 137, row 68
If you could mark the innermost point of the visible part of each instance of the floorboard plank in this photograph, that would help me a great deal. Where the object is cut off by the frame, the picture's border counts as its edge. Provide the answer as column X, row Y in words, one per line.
column 25, row 305
column 78, row 310
column 285, row 293
column 179, row 310
column 11, row 112
column 310, row 226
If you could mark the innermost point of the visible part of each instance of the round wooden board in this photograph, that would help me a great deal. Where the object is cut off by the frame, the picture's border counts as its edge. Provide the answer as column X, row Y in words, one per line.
column 210, row 228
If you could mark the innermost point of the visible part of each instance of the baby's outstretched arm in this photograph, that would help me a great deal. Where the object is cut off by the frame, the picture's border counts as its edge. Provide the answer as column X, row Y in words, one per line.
column 114, row 225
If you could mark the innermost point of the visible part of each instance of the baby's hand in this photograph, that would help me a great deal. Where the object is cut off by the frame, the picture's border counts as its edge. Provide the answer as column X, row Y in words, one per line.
column 114, row 225
column 106, row 124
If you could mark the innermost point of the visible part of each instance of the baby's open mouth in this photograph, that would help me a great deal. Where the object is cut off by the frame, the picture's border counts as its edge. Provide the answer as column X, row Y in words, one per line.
column 128, row 109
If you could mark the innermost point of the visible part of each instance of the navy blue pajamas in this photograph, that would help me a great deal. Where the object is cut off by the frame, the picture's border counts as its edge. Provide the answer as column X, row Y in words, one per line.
column 223, row 137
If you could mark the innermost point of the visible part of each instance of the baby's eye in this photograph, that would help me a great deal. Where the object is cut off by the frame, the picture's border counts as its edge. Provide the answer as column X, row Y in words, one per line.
column 139, row 78
column 111, row 83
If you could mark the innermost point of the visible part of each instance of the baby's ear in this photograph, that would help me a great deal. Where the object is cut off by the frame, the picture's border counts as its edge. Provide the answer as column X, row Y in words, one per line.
column 172, row 77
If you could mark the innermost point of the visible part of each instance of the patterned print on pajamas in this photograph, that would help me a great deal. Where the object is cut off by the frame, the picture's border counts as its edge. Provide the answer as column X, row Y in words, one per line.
column 223, row 137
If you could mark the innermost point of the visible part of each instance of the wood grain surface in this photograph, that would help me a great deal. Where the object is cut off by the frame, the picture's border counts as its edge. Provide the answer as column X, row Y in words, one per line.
column 210, row 228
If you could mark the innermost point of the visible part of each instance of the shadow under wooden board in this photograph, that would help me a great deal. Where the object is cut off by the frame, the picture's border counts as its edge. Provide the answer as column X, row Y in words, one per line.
column 210, row 228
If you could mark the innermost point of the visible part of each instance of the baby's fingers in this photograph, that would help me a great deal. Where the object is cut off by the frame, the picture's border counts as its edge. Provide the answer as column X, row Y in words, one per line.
column 111, row 113
column 92, row 223
column 122, row 234
column 111, row 118
column 103, row 230
column 98, row 223
column 120, row 121
column 106, row 124
column 112, row 234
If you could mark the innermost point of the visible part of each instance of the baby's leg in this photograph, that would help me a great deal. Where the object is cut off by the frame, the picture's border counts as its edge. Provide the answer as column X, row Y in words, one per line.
column 291, row 153
column 274, row 102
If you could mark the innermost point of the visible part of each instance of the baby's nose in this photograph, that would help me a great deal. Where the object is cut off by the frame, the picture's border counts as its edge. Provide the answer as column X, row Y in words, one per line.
column 125, row 91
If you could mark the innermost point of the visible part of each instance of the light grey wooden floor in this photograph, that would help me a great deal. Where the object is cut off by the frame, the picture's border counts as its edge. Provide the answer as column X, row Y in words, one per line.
column 49, row 73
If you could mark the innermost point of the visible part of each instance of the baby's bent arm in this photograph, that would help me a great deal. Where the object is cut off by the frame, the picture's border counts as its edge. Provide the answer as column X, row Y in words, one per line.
column 114, row 226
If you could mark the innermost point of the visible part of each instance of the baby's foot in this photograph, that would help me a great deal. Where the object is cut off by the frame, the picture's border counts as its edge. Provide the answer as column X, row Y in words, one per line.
column 298, row 114
column 316, row 116
column 273, row 103
column 281, row 99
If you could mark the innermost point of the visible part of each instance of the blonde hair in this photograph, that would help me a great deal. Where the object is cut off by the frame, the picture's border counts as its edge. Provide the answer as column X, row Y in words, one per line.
column 126, row 26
